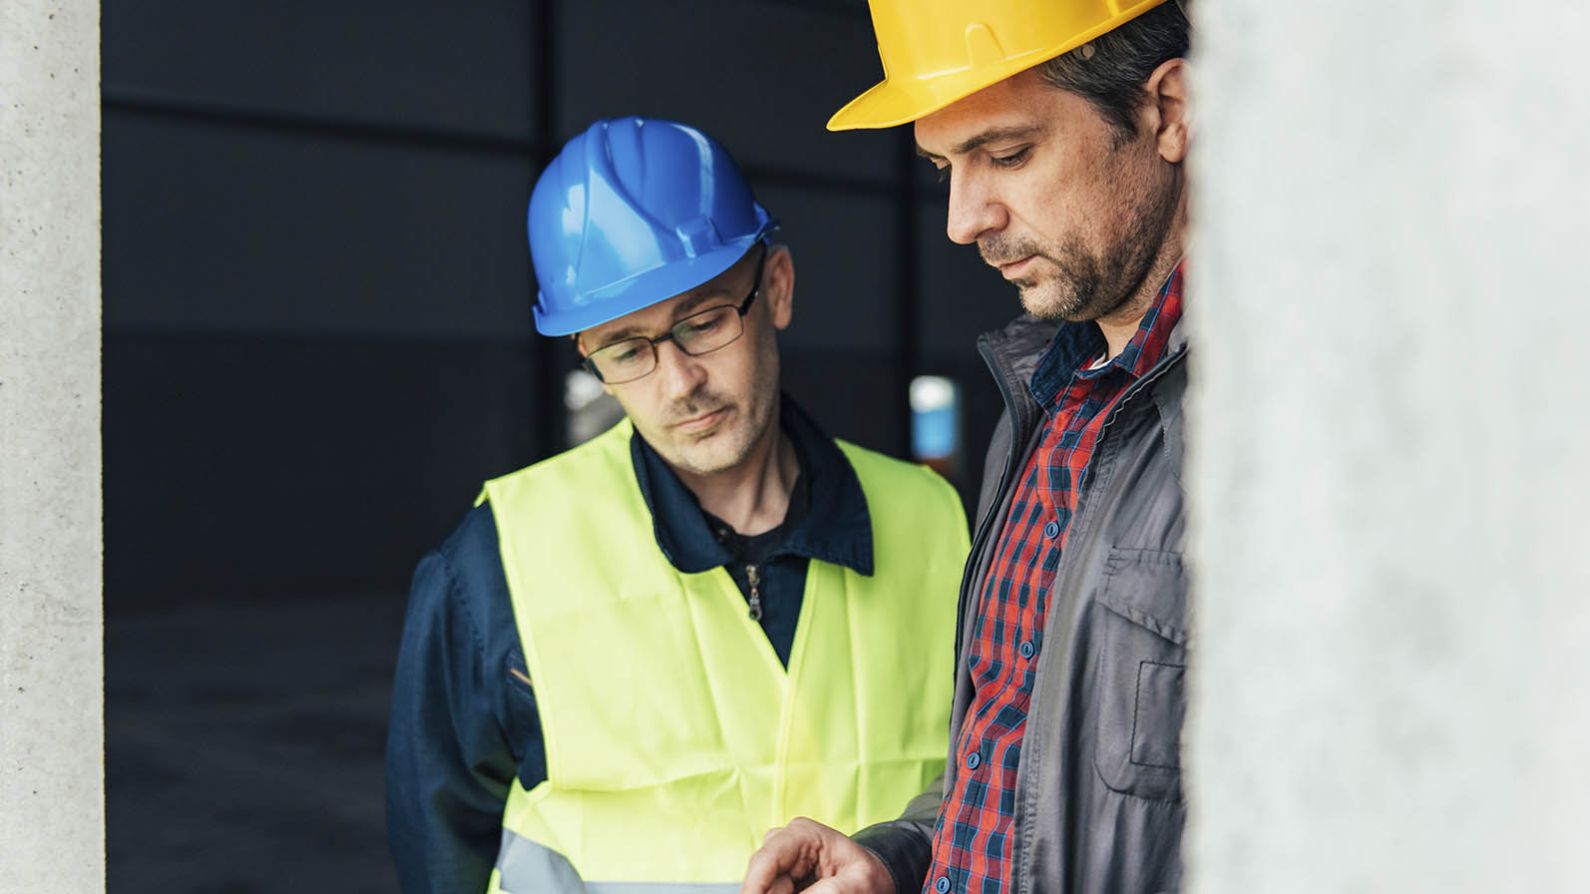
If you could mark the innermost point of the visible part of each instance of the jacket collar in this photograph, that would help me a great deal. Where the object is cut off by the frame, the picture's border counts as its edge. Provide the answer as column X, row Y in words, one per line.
column 837, row 526
column 1078, row 345
column 1013, row 353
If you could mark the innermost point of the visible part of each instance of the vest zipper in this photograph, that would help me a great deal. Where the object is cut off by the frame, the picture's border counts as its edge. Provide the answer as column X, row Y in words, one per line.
column 754, row 577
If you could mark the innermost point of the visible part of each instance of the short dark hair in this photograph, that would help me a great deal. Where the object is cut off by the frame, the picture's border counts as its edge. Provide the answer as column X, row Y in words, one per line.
column 1109, row 71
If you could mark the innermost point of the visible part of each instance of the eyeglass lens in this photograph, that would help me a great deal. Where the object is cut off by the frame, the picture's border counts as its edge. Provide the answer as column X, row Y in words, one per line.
column 696, row 334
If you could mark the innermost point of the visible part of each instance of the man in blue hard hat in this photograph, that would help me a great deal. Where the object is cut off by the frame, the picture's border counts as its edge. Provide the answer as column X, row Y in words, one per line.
column 633, row 659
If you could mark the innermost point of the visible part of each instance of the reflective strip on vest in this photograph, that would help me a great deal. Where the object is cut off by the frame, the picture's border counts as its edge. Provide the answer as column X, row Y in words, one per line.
column 674, row 735
column 525, row 867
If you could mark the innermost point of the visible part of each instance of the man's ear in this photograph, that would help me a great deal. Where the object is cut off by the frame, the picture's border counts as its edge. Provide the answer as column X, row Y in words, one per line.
column 1170, row 110
column 778, row 286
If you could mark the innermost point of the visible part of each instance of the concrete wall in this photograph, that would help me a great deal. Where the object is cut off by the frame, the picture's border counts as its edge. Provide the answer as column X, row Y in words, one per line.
column 52, row 817
column 1389, row 449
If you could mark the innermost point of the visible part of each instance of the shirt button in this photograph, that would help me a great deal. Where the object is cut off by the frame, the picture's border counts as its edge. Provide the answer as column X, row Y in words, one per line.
column 942, row 885
column 1051, row 530
column 973, row 760
column 1028, row 649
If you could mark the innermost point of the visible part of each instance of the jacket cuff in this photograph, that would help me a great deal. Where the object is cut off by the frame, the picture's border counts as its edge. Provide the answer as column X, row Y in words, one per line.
column 906, row 850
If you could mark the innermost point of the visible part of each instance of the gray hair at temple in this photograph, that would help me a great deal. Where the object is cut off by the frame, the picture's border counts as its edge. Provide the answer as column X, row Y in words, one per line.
column 1110, row 70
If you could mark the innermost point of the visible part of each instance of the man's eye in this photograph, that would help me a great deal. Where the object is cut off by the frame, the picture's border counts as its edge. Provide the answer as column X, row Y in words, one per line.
column 625, row 355
column 1013, row 159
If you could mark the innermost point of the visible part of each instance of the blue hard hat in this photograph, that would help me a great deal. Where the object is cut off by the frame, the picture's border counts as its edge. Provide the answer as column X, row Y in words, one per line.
column 632, row 212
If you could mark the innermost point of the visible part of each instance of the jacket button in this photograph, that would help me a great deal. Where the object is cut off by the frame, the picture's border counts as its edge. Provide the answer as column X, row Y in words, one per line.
column 942, row 885
column 973, row 760
column 1051, row 530
column 1028, row 649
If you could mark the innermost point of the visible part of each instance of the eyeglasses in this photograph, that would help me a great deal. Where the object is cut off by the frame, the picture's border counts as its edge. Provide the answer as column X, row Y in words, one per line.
column 700, row 333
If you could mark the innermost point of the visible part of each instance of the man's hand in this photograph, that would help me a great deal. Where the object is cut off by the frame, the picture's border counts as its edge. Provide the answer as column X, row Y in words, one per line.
column 808, row 856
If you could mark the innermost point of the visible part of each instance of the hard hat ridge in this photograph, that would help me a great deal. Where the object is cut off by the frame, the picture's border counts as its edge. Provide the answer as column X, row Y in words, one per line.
column 631, row 212
column 935, row 52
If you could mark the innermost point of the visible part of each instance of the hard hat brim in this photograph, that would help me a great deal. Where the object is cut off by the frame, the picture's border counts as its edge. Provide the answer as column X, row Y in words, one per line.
column 643, row 289
column 891, row 103
column 901, row 100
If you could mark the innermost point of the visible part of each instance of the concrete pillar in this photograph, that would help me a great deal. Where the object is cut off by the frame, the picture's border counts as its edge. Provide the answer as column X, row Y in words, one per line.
column 52, row 826
column 1390, row 451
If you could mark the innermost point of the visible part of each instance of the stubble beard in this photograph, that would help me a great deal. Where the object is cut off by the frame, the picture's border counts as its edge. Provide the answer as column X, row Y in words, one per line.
column 725, row 446
column 1086, row 286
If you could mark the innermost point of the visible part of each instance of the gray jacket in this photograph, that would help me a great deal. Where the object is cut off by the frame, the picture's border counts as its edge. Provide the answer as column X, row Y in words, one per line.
column 1099, row 805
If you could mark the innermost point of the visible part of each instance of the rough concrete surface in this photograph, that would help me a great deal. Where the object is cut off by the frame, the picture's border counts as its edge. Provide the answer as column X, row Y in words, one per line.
column 1388, row 451
column 51, row 742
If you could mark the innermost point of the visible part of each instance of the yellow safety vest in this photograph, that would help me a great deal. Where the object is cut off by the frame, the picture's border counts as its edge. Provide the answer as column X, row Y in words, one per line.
column 674, row 736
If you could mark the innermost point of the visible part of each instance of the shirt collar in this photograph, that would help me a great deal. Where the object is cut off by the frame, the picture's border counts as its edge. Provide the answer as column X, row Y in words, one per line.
column 1076, row 345
column 837, row 527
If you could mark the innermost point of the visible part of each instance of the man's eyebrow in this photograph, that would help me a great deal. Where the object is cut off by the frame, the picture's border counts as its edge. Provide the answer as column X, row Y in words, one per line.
column 688, row 306
column 682, row 309
column 617, row 336
column 996, row 135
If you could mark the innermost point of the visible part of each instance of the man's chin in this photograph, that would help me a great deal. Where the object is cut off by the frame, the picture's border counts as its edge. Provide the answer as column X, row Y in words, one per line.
column 712, row 451
column 1042, row 303
column 708, row 459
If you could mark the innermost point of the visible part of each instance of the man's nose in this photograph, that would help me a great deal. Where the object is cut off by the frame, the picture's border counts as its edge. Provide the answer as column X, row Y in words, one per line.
column 680, row 373
column 973, row 210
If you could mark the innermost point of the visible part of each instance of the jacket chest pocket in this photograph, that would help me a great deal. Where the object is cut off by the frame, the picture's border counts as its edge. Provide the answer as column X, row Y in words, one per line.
column 1140, row 692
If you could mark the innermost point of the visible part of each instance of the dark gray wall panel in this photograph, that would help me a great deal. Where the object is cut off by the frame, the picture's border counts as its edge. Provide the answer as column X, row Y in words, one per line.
column 846, row 392
column 961, row 298
column 282, row 468
column 929, row 178
column 243, row 748
column 763, row 78
column 844, row 248
column 961, row 295
column 213, row 227
column 462, row 66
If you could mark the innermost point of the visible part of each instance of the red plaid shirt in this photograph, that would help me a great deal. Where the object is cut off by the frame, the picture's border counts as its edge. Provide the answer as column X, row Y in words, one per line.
column 971, row 843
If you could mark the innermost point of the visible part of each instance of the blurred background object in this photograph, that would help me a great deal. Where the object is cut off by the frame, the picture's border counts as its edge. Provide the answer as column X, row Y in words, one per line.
column 318, row 344
column 936, row 425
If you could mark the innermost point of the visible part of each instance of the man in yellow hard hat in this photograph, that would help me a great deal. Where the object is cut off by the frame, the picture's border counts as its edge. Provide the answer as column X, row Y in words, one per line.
column 1062, row 128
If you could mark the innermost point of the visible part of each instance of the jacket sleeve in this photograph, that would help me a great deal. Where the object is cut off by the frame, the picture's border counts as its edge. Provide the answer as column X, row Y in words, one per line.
column 905, row 845
column 449, row 763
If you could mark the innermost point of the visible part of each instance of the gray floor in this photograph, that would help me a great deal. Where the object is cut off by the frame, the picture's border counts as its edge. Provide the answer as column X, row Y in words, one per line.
column 244, row 748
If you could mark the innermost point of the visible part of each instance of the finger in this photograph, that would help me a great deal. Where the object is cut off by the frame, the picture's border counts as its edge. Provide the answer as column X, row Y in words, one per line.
column 760, row 877
column 766, row 867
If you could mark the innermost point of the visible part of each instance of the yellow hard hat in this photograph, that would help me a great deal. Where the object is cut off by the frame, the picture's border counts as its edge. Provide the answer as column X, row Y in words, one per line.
column 937, row 51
